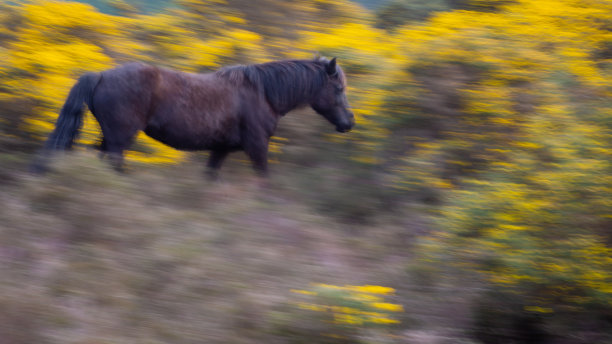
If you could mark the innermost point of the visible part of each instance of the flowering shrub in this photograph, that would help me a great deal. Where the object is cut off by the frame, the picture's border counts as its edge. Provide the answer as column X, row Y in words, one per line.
column 350, row 309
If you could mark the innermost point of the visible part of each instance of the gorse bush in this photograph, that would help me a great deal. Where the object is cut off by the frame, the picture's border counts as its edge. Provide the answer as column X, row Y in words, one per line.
column 352, row 305
column 344, row 314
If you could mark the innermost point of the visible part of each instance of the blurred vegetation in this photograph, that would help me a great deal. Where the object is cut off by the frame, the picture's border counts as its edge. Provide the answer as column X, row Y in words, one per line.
column 476, row 184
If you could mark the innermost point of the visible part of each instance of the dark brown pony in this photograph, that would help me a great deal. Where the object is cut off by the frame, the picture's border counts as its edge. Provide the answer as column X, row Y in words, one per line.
column 235, row 108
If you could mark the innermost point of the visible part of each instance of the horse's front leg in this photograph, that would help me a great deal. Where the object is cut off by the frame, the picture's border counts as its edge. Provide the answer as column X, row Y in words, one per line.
column 257, row 150
column 215, row 160
column 260, row 161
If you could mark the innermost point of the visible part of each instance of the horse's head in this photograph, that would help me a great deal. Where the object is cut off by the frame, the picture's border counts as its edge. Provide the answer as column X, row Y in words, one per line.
column 331, row 102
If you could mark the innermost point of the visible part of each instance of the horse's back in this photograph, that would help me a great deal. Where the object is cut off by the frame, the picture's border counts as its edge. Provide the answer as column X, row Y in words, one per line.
column 133, row 77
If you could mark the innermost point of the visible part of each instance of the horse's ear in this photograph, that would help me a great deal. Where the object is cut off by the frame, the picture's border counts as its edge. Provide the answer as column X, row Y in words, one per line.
column 331, row 67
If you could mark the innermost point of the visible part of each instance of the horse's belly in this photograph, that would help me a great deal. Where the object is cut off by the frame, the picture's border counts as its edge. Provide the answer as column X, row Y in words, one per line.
column 190, row 138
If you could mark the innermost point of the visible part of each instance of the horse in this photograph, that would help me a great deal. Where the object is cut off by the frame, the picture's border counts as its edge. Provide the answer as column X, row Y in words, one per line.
column 234, row 108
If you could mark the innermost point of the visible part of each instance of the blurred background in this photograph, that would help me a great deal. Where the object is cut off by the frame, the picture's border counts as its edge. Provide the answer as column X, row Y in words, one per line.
column 471, row 204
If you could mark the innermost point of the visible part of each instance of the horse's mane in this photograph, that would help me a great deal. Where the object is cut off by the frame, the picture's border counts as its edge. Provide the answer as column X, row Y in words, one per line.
column 285, row 84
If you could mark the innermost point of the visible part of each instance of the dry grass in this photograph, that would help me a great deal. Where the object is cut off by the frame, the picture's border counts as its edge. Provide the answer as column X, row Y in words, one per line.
column 160, row 255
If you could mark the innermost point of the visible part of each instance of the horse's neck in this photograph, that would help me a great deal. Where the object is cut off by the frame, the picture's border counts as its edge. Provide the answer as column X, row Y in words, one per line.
column 292, row 92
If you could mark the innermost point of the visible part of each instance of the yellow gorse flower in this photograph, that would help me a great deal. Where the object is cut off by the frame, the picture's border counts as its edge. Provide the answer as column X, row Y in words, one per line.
column 373, row 289
column 388, row 306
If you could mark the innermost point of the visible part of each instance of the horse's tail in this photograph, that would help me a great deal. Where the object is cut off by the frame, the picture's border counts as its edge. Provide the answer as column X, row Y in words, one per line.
column 70, row 119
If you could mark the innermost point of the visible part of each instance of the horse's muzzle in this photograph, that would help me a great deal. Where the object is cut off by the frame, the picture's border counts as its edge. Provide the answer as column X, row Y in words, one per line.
column 346, row 127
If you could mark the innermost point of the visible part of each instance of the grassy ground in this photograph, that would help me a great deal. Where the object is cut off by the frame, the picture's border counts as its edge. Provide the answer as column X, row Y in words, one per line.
column 161, row 255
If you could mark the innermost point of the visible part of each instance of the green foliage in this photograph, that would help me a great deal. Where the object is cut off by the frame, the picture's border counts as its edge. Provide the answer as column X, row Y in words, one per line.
column 119, row 7
column 397, row 13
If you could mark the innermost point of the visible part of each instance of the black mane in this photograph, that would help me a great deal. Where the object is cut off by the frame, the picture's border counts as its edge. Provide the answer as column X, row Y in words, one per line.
column 285, row 84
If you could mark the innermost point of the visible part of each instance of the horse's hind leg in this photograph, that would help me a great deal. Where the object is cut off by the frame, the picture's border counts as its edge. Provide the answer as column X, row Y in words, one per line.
column 117, row 138
column 102, row 148
column 115, row 154
column 119, row 127
column 214, row 163
column 115, row 147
